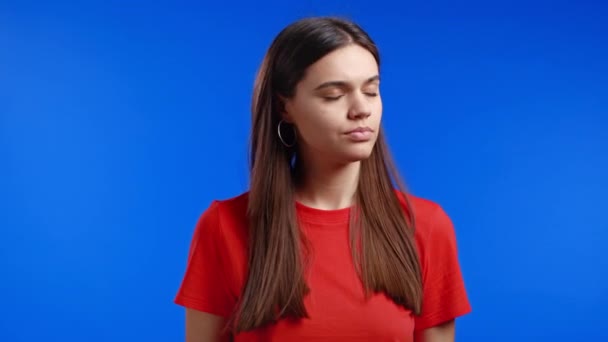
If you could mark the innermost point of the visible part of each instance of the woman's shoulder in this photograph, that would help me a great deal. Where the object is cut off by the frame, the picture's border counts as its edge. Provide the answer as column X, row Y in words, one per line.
column 231, row 206
column 422, row 208
column 431, row 220
column 225, row 215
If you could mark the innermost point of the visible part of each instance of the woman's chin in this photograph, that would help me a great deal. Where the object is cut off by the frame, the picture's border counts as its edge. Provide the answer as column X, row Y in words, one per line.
column 358, row 154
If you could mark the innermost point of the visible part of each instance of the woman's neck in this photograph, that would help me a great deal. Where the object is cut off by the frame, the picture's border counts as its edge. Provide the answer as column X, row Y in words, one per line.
column 327, row 187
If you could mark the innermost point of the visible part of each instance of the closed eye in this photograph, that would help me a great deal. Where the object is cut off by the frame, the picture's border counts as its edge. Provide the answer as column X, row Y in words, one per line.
column 332, row 98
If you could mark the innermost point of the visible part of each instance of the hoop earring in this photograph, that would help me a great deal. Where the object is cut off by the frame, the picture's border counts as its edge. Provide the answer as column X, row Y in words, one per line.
column 281, row 137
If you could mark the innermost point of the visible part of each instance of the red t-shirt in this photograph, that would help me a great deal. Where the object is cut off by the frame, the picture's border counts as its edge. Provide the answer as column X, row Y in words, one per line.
column 338, row 310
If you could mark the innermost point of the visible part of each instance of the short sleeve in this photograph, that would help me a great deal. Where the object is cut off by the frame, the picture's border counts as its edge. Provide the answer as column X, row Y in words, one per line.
column 204, row 286
column 444, row 293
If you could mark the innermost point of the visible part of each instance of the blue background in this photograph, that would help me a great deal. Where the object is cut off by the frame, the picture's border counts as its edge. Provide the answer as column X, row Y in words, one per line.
column 121, row 121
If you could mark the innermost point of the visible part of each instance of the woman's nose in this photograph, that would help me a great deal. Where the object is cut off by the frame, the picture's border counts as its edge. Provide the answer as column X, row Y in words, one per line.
column 360, row 107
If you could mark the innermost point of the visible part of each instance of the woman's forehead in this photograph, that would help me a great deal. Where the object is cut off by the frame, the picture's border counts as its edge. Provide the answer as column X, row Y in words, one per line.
column 352, row 64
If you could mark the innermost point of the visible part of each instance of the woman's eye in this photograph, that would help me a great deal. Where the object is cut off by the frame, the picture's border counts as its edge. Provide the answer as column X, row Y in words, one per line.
column 372, row 92
column 332, row 98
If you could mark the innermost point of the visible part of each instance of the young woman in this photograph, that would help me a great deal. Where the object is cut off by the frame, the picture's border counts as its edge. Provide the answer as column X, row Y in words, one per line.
column 324, row 246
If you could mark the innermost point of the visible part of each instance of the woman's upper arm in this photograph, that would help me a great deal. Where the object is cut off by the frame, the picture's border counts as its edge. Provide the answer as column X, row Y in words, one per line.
column 445, row 332
column 444, row 293
column 204, row 327
column 205, row 288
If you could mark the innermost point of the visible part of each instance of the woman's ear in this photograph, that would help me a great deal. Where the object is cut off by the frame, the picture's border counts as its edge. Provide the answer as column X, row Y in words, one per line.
column 283, row 106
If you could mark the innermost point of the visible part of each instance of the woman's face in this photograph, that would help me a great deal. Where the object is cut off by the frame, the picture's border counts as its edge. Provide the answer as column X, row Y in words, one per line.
column 336, row 107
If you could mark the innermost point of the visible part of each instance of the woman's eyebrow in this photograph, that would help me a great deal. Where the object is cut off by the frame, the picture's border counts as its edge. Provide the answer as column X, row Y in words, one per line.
column 342, row 84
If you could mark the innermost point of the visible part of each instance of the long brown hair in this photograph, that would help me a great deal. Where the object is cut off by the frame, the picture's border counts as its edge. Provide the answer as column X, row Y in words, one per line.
column 382, row 232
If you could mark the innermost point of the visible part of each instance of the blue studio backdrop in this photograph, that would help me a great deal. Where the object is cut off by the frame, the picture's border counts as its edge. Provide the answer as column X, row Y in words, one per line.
column 121, row 121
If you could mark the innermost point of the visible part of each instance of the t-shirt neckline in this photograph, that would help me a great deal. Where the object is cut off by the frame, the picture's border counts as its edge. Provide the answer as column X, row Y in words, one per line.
column 323, row 216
